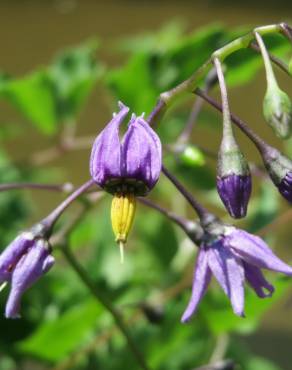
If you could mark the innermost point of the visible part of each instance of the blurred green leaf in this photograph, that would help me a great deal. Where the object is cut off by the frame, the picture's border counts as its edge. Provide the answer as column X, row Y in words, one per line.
column 133, row 84
column 50, row 96
column 13, row 207
column 220, row 317
column 265, row 208
column 53, row 340
column 33, row 97
column 158, row 233
column 73, row 75
column 259, row 363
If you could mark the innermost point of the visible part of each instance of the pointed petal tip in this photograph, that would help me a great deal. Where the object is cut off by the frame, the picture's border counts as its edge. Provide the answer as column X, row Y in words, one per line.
column 122, row 106
column 185, row 318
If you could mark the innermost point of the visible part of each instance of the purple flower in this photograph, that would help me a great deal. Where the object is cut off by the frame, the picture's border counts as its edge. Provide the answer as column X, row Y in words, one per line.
column 132, row 164
column 234, row 191
column 232, row 258
column 22, row 263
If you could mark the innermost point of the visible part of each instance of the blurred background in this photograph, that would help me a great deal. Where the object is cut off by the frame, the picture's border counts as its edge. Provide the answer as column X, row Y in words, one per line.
column 63, row 66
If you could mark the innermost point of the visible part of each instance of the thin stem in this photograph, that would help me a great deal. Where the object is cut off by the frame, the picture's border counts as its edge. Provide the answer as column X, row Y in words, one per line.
column 106, row 304
column 210, row 81
column 277, row 61
column 191, row 228
column 259, row 143
column 157, row 113
column 50, row 220
column 286, row 30
column 205, row 216
column 170, row 96
column 227, row 128
column 186, row 133
column 67, row 187
column 271, row 79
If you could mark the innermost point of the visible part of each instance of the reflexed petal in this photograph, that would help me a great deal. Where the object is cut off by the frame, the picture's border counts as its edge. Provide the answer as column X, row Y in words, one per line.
column 105, row 160
column 12, row 254
column 255, row 251
column 229, row 272
column 27, row 271
column 141, row 153
column 257, row 281
column 202, row 276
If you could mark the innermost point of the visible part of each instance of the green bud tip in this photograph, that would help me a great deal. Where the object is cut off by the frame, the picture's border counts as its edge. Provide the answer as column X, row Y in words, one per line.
column 277, row 111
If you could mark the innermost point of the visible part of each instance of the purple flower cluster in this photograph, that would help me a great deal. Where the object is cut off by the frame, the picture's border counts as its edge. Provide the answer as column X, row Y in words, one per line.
column 22, row 263
column 232, row 258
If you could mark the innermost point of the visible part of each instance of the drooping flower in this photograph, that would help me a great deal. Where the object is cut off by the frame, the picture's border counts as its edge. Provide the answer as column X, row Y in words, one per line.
column 133, row 163
column 126, row 167
column 232, row 258
column 22, row 263
column 279, row 168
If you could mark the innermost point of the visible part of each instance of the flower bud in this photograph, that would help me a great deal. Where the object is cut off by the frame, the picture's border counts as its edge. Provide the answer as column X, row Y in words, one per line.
column 279, row 168
column 233, row 178
column 277, row 110
column 122, row 216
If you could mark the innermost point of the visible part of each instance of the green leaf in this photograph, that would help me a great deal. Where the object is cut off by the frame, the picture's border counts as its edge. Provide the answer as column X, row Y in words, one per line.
column 133, row 84
column 158, row 233
column 73, row 75
column 259, row 363
column 50, row 96
column 265, row 208
column 53, row 340
column 220, row 317
column 33, row 97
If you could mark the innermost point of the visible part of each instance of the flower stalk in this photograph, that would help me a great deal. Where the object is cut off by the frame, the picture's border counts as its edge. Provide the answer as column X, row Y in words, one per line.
column 49, row 222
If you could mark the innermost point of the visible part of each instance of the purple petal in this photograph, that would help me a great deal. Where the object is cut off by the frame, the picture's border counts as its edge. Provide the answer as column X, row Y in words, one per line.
column 12, row 254
column 27, row 271
column 202, row 276
column 255, row 251
column 234, row 191
column 285, row 186
column 257, row 281
column 105, row 160
column 229, row 272
column 141, row 153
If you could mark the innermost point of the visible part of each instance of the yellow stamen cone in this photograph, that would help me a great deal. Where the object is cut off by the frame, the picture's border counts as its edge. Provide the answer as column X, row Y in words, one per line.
column 122, row 216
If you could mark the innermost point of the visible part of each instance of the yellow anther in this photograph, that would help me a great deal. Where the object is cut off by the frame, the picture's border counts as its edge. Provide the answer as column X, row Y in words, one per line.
column 122, row 216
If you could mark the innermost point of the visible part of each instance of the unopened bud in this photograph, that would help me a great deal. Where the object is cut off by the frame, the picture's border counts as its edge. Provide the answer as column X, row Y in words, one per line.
column 277, row 110
column 122, row 217
column 233, row 179
column 279, row 168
